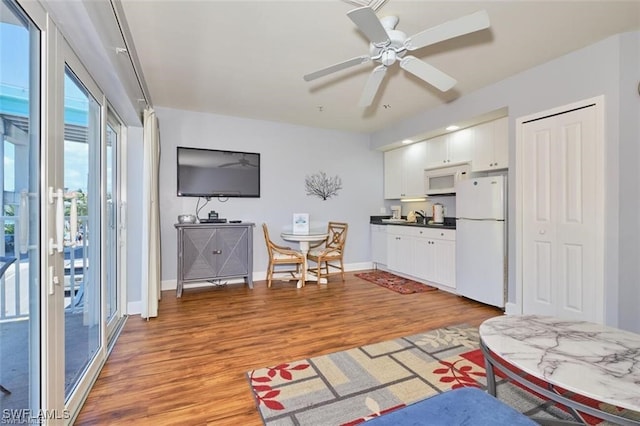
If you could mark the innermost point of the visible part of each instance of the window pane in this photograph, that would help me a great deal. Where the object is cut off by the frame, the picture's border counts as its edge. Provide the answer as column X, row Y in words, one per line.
column 19, row 250
column 82, row 236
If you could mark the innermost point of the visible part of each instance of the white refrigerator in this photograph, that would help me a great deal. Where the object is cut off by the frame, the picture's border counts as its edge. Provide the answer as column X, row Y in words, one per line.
column 481, row 239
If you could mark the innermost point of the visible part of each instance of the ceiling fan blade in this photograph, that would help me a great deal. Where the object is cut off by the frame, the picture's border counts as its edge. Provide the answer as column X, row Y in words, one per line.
column 450, row 29
column 367, row 21
column 337, row 67
column 372, row 86
column 428, row 73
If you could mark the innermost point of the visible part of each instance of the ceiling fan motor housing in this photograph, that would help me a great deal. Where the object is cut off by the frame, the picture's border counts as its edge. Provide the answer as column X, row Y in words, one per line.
column 393, row 50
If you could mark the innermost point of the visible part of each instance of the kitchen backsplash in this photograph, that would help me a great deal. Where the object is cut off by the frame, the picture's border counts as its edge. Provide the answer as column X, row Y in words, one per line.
column 449, row 203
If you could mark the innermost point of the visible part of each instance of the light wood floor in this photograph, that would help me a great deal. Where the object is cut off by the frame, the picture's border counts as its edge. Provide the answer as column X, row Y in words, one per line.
column 188, row 365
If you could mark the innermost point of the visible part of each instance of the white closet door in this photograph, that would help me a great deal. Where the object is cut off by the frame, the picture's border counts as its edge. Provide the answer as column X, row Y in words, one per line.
column 562, row 239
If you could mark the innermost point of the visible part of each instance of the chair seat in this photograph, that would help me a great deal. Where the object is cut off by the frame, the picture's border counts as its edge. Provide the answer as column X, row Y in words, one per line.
column 328, row 255
column 282, row 256
column 315, row 252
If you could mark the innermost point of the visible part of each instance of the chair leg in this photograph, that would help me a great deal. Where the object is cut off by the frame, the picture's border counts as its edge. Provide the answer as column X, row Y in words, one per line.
column 342, row 269
column 269, row 275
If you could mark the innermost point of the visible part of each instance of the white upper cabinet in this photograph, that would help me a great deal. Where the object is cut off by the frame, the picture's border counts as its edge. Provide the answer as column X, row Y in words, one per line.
column 393, row 165
column 404, row 171
column 490, row 145
column 450, row 149
column 486, row 146
column 437, row 152
column 459, row 145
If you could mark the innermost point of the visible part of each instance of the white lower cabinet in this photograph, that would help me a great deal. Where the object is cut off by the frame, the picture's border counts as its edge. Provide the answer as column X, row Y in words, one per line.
column 399, row 250
column 427, row 254
column 379, row 244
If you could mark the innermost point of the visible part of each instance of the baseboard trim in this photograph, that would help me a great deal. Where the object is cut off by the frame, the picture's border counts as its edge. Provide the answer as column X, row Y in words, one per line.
column 135, row 307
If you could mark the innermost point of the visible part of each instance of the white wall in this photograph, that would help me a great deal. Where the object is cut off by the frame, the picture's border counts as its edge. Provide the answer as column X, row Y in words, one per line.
column 288, row 154
column 610, row 68
column 629, row 216
column 134, row 219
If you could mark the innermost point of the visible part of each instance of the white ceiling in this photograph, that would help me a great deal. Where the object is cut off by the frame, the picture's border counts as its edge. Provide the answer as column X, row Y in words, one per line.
column 247, row 58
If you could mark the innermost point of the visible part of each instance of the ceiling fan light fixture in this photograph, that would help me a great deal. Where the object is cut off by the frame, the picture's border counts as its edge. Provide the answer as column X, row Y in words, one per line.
column 388, row 57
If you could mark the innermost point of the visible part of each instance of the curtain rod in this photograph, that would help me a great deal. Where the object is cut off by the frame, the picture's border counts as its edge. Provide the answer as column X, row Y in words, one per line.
column 121, row 20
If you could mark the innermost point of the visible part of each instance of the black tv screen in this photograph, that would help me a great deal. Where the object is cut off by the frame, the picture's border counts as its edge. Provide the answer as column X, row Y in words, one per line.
column 217, row 173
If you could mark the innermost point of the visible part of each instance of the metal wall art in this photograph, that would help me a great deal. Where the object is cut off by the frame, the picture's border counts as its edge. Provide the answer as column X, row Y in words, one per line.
column 320, row 185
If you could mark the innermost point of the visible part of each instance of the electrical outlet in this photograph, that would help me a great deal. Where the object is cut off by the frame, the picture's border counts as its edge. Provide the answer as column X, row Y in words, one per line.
column 383, row 210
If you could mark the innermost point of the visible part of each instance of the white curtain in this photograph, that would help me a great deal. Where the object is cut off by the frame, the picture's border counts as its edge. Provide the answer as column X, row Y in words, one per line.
column 151, row 217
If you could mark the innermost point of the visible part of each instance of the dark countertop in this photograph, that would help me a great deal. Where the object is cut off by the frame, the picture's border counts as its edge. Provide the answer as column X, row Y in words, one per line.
column 449, row 222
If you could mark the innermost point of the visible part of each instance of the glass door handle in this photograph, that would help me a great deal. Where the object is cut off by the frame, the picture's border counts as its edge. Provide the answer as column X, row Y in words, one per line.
column 73, row 218
column 23, row 216
column 57, row 197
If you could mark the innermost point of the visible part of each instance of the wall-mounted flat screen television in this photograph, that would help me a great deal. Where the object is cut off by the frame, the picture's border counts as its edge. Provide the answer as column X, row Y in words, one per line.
column 217, row 173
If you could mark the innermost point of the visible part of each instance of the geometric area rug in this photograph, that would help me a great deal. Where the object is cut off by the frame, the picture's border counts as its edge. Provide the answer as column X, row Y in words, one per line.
column 393, row 282
column 350, row 387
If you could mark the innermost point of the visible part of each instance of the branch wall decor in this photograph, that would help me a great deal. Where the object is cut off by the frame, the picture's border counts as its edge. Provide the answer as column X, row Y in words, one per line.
column 320, row 185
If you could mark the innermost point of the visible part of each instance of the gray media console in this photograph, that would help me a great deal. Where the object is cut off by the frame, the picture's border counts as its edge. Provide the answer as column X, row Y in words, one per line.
column 214, row 251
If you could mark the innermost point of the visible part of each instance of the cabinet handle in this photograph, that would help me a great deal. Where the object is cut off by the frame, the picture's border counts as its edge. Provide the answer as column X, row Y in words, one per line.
column 216, row 252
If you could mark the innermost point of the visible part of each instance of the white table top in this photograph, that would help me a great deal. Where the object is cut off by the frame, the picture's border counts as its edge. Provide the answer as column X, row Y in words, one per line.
column 599, row 362
column 310, row 236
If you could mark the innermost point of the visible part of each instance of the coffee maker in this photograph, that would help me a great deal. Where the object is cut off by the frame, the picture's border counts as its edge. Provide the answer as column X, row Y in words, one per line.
column 396, row 212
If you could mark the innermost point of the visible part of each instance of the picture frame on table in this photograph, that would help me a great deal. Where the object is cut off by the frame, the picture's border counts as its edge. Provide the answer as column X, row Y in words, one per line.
column 300, row 223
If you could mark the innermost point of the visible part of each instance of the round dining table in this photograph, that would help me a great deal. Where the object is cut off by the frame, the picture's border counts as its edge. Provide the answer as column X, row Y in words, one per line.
column 304, row 240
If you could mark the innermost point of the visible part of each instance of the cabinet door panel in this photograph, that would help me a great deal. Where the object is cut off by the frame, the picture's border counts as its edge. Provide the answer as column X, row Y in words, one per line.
column 198, row 260
column 459, row 146
column 437, row 152
column 482, row 147
column 232, row 245
column 393, row 174
column 501, row 143
column 445, row 262
column 392, row 251
column 415, row 159
column 424, row 259
column 400, row 253
column 379, row 244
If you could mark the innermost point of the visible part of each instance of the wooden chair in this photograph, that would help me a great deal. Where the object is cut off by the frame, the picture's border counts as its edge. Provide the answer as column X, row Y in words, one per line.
column 328, row 254
column 280, row 255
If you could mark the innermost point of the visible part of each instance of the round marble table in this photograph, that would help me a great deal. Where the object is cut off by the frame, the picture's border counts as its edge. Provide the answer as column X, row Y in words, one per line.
column 592, row 360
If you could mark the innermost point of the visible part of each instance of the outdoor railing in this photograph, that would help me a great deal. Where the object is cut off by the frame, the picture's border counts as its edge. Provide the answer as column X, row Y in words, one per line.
column 14, row 284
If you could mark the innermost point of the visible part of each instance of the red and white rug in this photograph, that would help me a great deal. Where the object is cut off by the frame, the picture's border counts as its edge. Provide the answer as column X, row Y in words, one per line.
column 350, row 387
column 393, row 282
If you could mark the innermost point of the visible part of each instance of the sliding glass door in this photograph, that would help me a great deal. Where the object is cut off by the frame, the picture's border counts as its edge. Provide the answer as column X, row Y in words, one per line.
column 113, row 294
column 20, row 296
column 60, row 292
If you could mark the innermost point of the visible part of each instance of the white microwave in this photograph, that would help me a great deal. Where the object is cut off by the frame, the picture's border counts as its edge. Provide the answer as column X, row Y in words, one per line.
column 442, row 180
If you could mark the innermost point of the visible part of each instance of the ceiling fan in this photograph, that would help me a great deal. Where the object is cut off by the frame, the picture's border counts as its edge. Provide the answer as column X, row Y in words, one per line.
column 243, row 162
column 389, row 45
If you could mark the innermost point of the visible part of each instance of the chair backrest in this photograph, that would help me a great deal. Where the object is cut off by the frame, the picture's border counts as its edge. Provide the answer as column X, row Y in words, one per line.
column 268, row 241
column 337, row 235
